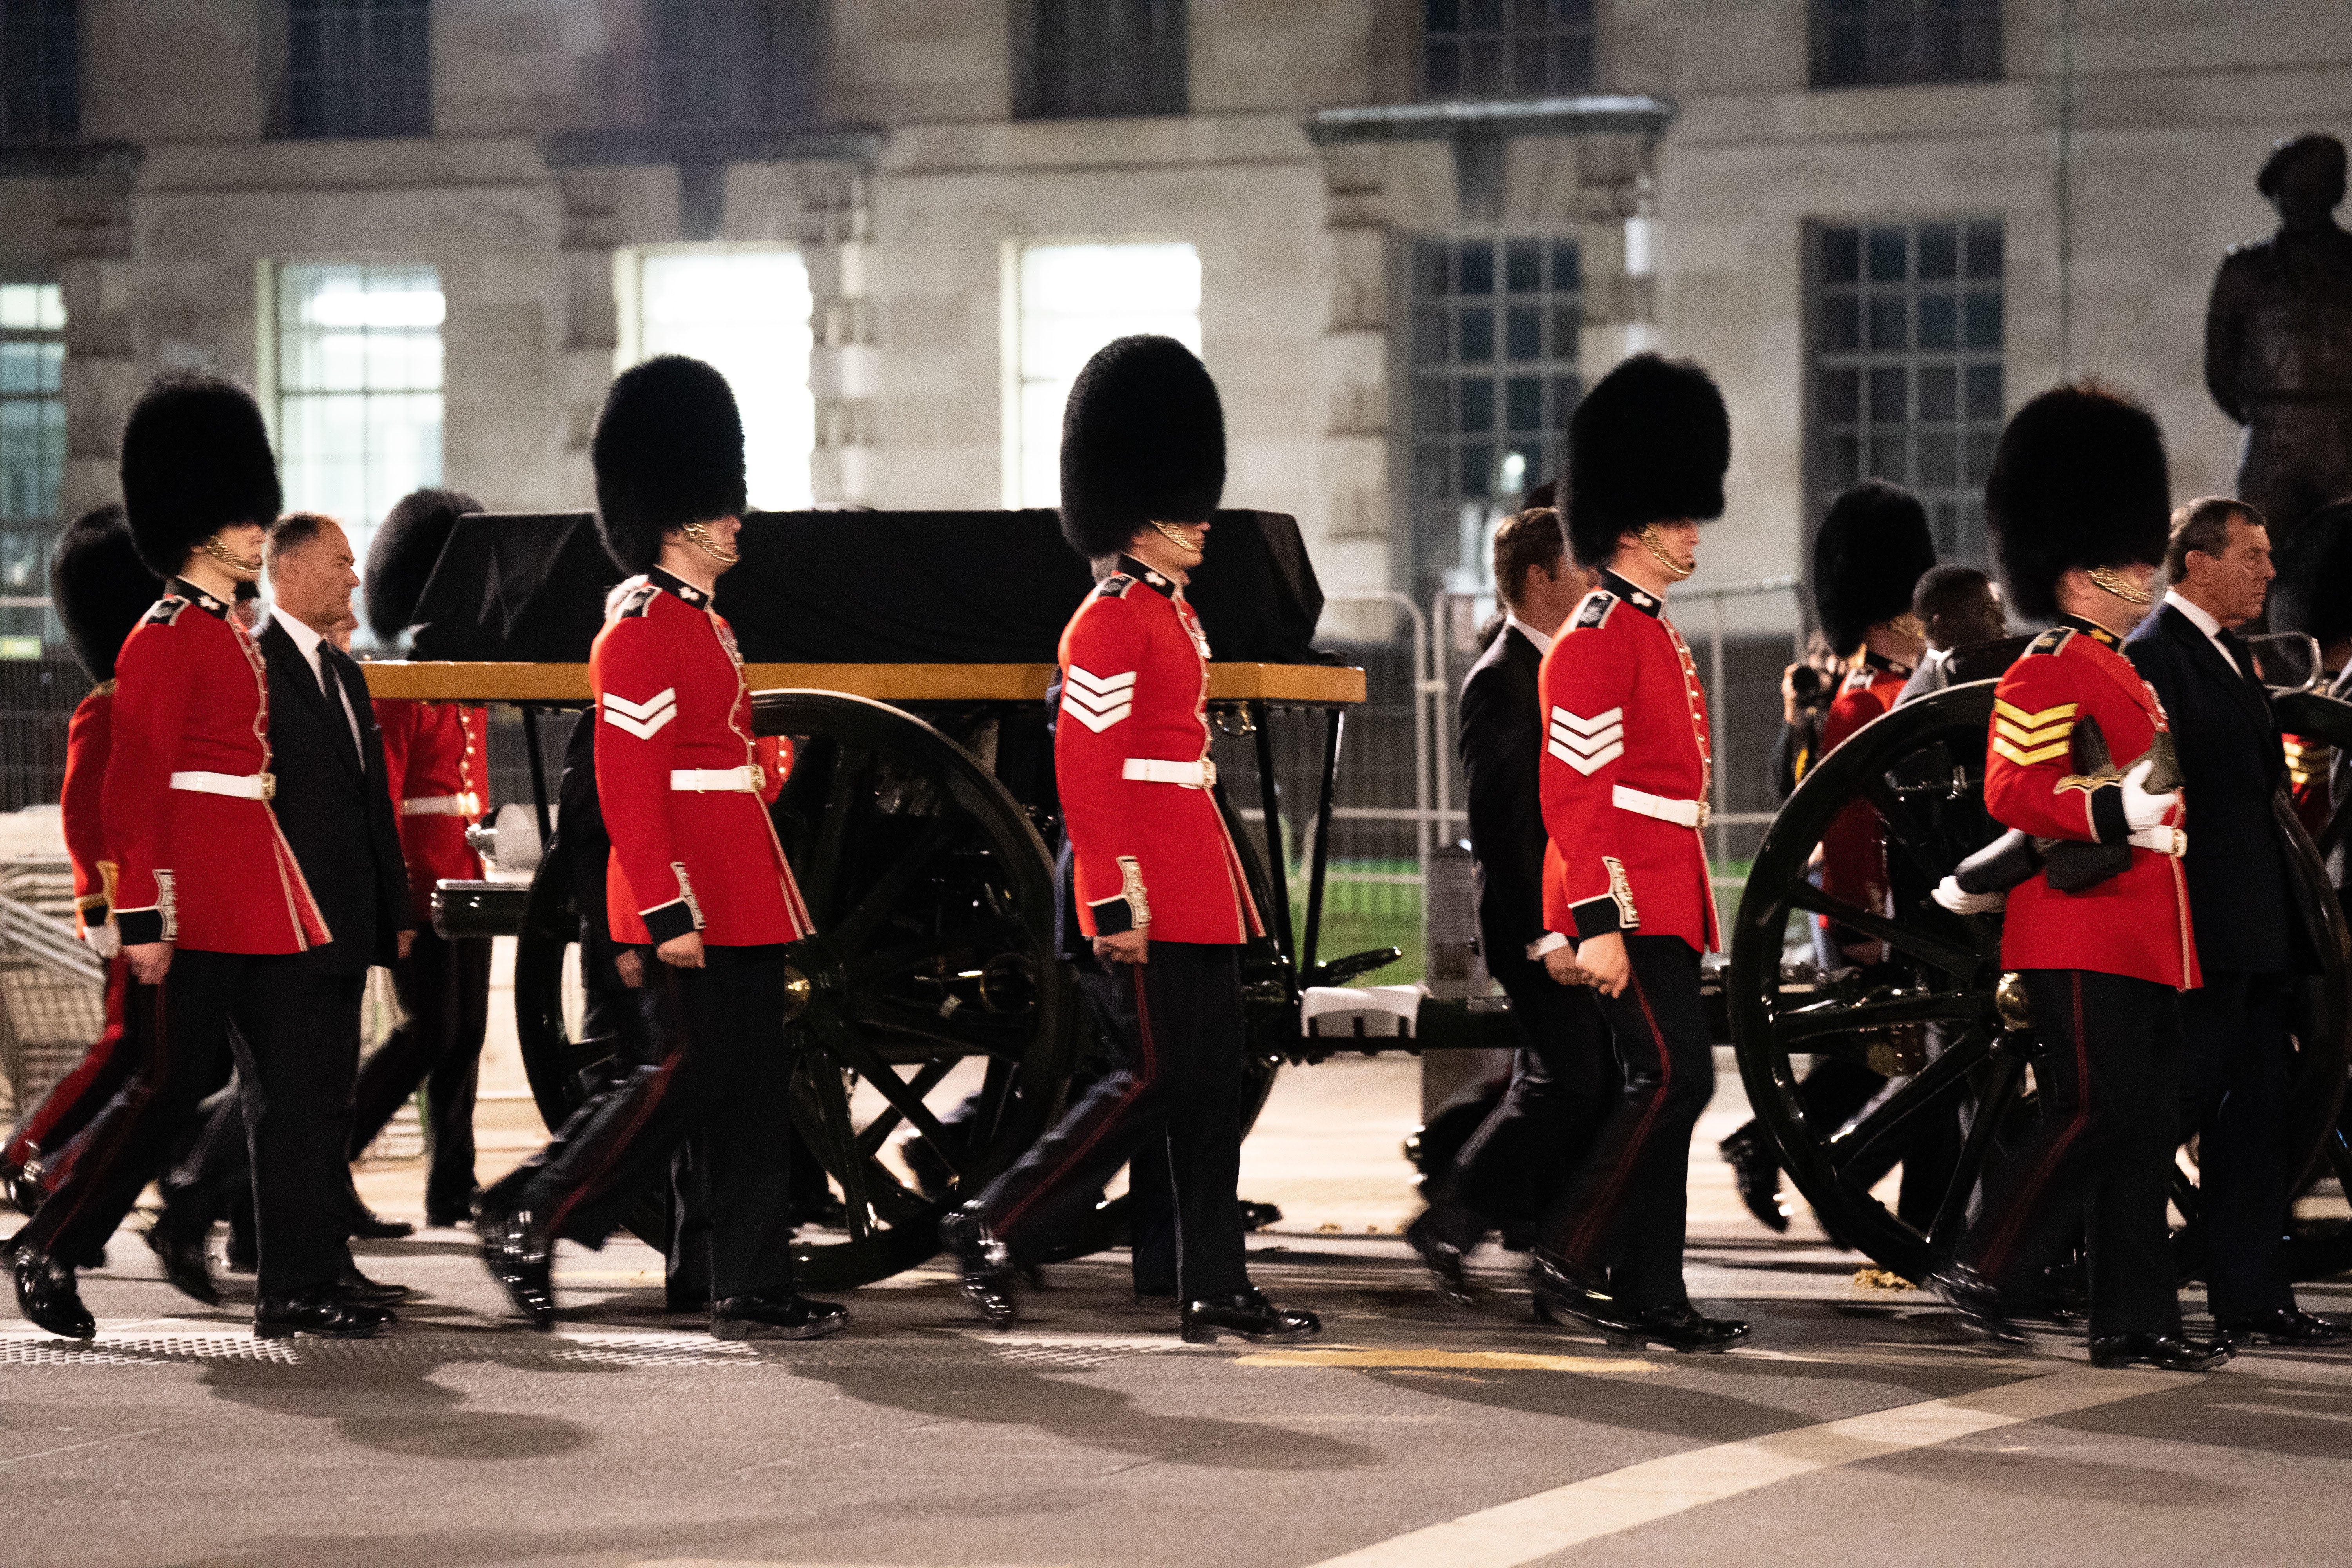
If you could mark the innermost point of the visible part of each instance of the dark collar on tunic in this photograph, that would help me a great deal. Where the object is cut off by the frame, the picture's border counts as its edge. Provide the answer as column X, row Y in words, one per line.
column 1158, row 582
column 2092, row 629
column 1641, row 599
column 678, row 586
column 1883, row 665
column 211, row 604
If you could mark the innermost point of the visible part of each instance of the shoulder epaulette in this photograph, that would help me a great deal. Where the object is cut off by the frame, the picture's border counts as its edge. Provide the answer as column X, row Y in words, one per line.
column 2051, row 641
column 634, row 604
column 1114, row 586
column 1859, row 680
column 1594, row 613
column 165, row 610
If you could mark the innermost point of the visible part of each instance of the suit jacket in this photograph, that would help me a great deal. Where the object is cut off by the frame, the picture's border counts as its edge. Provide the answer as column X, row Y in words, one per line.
column 1501, row 741
column 2232, row 767
column 335, row 808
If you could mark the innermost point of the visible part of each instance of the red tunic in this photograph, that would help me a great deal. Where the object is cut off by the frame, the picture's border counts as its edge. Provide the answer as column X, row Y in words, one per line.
column 1149, row 851
column 1853, row 850
column 434, row 760
column 2309, row 761
column 208, row 870
column 88, row 739
column 2135, row 923
column 678, row 778
column 1625, row 774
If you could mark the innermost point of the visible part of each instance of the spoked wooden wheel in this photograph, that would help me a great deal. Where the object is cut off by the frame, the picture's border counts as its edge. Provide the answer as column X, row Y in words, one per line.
column 1932, row 1014
column 931, row 981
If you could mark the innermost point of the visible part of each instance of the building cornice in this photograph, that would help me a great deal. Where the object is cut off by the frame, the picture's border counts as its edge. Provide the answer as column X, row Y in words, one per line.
column 1635, row 114
column 728, row 144
column 69, row 160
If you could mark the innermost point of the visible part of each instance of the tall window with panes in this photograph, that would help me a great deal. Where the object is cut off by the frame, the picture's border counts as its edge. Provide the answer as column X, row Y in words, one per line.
column 32, row 455
column 1869, row 43
column 1506, row 48
column 40, row 71
column 1081, row 57
column 1492, row 362
column 743, row 63
column 1906, row 381
column 358, row 68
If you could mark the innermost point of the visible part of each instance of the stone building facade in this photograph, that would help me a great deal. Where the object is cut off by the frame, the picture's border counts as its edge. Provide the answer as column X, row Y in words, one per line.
column 1419, row 225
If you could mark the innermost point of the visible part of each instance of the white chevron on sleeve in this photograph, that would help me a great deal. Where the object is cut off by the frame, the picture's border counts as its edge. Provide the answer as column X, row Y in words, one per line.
column 1587, row 744
column 643, row 720
column 1098, row 702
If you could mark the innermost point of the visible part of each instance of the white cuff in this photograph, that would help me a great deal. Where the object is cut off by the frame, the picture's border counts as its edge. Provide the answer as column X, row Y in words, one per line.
column 1546, row 943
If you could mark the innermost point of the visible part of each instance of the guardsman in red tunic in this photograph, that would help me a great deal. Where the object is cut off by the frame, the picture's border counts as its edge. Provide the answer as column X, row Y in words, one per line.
column 436, row 757
column 2313, row 595
column 698, row 886
column 1159, row 890
column 1625, row 777
column 100, row 590
column 1874, row 547
column 209, row 900
column 2079, row 507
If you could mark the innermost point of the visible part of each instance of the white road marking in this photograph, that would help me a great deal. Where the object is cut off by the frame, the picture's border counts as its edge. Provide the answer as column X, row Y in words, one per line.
column 1548, row 1522
column 93, row 1443
column 2286, row 1410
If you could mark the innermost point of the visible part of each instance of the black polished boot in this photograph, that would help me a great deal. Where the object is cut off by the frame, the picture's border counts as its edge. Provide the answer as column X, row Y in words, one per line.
column 357, row 1287
column 1567, row 1295
column 46, row 1296
column 321, row 1311
column 1984, row 1310
column 521, row 1258
column 1442, row 1258
column 775, row 1315
column 988, row 1271
column 184, row 1260
column 369, row 1226
column 2165, row 1352
column 1756, row 1171
column 2285, row 1326
column 1680, row 1328
column 1247, row 1315
column 25, row 1185
column 448, row 1214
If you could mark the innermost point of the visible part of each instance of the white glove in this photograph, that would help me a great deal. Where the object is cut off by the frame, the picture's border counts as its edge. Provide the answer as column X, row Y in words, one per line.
column 2142, row 809
column 104, row 940
column 1949, row 894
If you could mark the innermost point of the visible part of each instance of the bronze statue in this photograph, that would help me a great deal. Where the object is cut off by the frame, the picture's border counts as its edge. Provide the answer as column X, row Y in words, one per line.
column 2278, row 340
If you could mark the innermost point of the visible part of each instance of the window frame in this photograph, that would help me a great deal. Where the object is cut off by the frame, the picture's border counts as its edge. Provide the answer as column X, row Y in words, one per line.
column 1874, row 16
column 1509, row 36
column 1165, row 70
column 40, row 529
column 356, row 85
column 47, row 83
column 803, row 26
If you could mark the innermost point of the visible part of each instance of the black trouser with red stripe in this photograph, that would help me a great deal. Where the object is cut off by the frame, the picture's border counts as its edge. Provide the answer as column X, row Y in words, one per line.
column 1173, row 1094
column 723, row 1076
column 2106, row 1074
column 72, row 1102
column 294, row 1043
column 444, row 986
column 1625, row 1207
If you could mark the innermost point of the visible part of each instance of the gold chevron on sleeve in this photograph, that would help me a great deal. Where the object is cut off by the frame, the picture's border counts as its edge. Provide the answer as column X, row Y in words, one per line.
column 2025, row 759
column 2027, row 738
column 2003, row 709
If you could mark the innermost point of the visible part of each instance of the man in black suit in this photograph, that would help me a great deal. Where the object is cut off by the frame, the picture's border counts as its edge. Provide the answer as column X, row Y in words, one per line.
column 2251, row 942
column 1566, row 1077
column 334, row 806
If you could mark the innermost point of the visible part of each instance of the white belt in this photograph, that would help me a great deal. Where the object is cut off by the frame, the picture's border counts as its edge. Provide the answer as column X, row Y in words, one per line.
column 2172, row 841
column 1641, row 803
column 244, row 786
column 1200, row 774
column 745, row 779
column 464, row 804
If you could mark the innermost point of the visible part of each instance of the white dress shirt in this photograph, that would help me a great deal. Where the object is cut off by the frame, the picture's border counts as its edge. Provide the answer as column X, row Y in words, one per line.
column 2204, row 622
column 308, row 643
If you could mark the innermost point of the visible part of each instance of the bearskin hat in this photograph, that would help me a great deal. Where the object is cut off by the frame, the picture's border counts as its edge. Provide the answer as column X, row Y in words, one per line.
column 100, row 587
column 1648, row 444
column 1872, row 550
column 1143, row 440
column 2313, row 591
column 195, row 459
column 667, row 450
column 2077, row 481
column 401, row 558
column 2325, row 151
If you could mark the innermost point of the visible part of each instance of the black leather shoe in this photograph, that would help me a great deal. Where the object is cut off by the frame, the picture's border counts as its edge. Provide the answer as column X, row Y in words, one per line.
column 25, row 1187
column 1442, row 1258
column 522, row 1258
column 1984, row 1310
column 369, row 1226
column 775, row 1315
column 355, row 1285
column 1569, row 1296
column 2287, row 1326
column 241, row 1256
column 1756, row 1171
column 2165, row 1352
column 441, row 1214
column 322, row 1310
column 1247, row 1315
column 184, row 1263
column 988, row 1271
column 46, row 1296
column 1681, row 1328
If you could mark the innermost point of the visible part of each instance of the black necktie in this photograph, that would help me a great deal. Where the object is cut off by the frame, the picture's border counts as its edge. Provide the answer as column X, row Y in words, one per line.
column 2237, row 652
column 330, row 679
